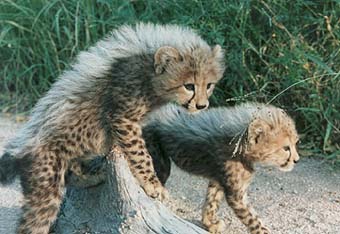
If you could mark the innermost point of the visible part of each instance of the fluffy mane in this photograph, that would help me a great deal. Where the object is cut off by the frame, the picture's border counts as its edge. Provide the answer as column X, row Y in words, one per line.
column 228, row 124
column 275, row 117
column 127, row 41
column 90, row 66
column 218, row 120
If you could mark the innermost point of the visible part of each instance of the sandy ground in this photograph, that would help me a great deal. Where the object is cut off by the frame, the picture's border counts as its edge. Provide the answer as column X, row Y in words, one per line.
column 10, row 196
column 304, row 201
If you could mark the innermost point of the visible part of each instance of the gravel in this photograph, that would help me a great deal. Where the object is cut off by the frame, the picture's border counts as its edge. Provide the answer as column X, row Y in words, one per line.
column 304, row 201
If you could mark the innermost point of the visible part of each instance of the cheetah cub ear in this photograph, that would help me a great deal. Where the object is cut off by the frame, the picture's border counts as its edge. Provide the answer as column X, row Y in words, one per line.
column 164, row 57
column 218, row 52
column 257, row 130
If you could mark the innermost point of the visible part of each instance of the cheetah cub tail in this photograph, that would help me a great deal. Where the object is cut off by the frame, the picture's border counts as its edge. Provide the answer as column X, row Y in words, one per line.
column 8, row 169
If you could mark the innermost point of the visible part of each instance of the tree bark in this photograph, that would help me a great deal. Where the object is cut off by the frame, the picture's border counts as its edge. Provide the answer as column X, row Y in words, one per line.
column 118, row 205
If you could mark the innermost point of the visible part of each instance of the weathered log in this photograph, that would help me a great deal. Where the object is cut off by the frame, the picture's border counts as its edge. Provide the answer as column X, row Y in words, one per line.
column 118, row 205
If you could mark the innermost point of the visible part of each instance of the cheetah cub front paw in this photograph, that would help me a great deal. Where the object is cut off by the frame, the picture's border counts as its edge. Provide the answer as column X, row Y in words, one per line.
column 216, row 227
column 261, row 230
column 156, row 190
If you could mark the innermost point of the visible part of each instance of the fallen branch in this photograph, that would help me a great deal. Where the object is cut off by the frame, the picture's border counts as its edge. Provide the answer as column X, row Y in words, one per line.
column 118, row 205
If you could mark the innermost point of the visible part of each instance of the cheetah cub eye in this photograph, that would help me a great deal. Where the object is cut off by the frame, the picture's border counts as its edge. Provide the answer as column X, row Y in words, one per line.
column 189, row 87
column 286, row 148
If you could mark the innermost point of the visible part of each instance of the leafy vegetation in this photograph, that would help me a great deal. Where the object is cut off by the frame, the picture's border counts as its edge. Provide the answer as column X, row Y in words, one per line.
column 283, row 52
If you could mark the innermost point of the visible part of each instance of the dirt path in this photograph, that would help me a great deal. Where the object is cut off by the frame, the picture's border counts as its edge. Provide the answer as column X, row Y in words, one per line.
column 304, row 201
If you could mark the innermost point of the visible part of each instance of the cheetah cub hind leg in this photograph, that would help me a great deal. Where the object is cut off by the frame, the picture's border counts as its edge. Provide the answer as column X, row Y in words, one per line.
column 210, row 220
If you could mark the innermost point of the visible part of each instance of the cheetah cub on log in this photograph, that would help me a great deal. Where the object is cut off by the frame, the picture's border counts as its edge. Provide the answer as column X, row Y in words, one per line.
column 223, row 144
column 102, row 100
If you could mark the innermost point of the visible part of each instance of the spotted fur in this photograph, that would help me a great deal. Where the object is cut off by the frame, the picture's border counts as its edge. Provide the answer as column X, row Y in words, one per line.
column 222, row 144
column 102, row 100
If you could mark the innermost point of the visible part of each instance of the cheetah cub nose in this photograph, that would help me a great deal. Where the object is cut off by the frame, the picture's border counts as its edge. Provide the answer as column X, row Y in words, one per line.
column 200, row 107
column 296, row 161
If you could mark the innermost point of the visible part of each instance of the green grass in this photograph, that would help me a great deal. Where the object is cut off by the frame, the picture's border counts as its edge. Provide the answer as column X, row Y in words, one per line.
column 278, row 51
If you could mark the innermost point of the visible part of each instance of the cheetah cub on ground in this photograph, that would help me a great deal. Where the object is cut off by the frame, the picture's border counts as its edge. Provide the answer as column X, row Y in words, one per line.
column 102, row 101
column 223, row 144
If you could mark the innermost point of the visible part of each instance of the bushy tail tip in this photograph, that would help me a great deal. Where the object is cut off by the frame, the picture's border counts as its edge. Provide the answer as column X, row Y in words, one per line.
column 8, row 169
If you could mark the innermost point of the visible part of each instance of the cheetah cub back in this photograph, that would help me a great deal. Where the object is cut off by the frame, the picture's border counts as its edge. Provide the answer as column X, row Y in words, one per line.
column 223, row 144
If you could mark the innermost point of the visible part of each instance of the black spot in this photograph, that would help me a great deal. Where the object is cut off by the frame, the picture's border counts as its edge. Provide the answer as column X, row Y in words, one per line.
column 41, row 179
column 133, row 162
column 251, row 221
column 63, row 149
column 255, row 228
column 134, row 141
column 122, row 132
column 140, row 167
column 86, row 118
column 128, row 145
column 72, row 143
column 152, row 178
column 59, row 164
column 119, row 121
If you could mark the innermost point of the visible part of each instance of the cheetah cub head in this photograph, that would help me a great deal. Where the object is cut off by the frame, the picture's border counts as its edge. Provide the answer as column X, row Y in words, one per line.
column 272, row 139
column 188, row 76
